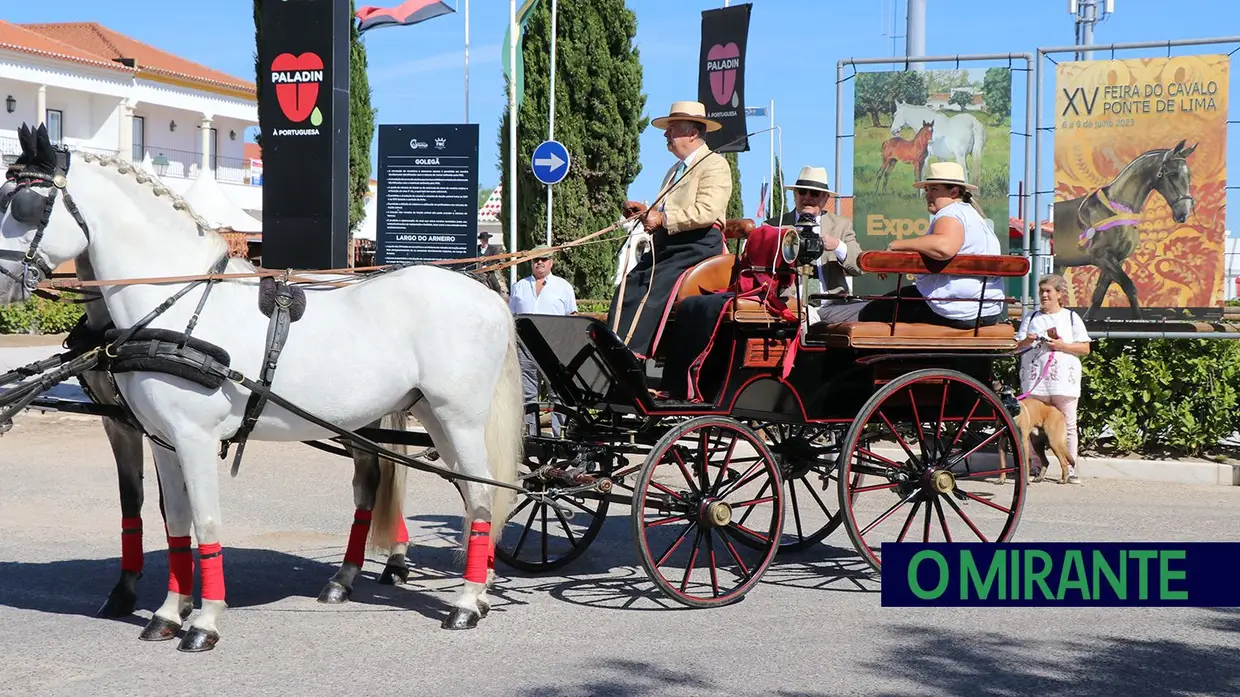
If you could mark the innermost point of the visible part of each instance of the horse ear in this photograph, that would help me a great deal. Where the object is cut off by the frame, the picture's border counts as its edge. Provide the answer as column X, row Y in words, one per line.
column 1185, row 153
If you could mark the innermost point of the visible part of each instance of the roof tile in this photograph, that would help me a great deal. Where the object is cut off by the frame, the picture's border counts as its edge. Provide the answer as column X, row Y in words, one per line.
column 14, row 37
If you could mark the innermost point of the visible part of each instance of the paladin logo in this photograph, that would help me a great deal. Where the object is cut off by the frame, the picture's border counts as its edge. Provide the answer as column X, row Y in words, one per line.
column 722, row 62
column 297, row 80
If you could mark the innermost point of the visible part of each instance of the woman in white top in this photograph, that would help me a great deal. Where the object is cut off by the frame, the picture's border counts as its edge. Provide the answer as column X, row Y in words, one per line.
column 956, row 227
column 1051, row 372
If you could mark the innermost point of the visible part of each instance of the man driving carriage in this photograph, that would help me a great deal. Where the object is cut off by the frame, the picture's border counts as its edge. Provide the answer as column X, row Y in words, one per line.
column 686, row 225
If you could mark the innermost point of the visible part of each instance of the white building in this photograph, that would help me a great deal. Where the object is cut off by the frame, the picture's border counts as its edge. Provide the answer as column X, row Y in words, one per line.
column 99, row 90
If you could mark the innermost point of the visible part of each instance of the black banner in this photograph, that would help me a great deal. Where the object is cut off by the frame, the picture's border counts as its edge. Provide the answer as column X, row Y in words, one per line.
column 428, row 193
column 304, row 118
column 721, row 74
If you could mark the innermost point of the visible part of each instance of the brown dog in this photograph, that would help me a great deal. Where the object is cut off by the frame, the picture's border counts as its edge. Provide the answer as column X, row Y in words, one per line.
column 1036, row 414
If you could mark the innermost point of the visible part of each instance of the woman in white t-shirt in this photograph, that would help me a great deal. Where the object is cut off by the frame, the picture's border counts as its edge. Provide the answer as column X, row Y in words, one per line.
column 956, row 227
column 1051, row 372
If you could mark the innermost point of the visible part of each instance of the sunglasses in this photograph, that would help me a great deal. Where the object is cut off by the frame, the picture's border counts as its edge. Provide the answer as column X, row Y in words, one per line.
column 806, row 193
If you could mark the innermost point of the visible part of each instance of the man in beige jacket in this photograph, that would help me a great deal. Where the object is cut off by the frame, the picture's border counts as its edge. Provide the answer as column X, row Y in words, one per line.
column 686, row 226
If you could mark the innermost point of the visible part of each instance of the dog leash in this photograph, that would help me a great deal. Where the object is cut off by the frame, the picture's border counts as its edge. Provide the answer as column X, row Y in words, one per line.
column 1045, row 370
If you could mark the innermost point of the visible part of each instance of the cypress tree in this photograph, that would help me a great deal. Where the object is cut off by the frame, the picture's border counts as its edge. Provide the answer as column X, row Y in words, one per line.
column 779, row 197
column 736, row 205
column 598, row 117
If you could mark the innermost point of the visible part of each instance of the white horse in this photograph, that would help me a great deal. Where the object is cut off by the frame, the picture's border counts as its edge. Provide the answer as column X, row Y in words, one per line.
column 412, row 339
column 955, row 137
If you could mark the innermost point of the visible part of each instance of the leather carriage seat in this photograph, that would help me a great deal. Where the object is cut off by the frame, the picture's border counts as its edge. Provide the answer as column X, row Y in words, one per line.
column 906, row 335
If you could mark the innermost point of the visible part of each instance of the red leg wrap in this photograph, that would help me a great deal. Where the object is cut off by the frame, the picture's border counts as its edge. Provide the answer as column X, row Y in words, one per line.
column 131, row 545
column 355, row 554
column 180, row 566
column 479, row 554
column 402, row 532
column 211, row 561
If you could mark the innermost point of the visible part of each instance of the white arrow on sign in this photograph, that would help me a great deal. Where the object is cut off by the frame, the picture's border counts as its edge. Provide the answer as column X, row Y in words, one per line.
column 553, row 162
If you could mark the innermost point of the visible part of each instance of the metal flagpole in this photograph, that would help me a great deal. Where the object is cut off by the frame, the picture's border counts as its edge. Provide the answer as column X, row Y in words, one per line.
column 551, row 120
column 512, row 139
column 466, row 61
column 770, row 206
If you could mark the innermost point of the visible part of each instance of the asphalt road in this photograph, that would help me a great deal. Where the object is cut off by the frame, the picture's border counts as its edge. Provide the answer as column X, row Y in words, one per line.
column 812, row 627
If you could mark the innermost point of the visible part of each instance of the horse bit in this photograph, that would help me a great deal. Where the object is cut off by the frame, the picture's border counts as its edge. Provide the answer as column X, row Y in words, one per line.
column 20, row 180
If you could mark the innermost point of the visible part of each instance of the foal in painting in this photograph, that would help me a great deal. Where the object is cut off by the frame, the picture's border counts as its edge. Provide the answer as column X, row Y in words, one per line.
column 914, row 152
column 1101, row 229
column 414, row 339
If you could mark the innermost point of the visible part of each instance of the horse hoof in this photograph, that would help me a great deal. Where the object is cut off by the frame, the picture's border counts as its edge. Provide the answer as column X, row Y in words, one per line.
column 159, row 629
column 120, row 603
column 335, row 593
column 394, row 574
column 461, row 619
column 198, row 639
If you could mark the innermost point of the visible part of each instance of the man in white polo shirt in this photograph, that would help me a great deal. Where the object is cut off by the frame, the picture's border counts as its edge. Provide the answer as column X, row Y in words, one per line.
column 540, row 293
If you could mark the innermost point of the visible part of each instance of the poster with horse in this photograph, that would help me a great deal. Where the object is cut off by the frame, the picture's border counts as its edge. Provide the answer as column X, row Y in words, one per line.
column 906, row 119
column 1140, row 186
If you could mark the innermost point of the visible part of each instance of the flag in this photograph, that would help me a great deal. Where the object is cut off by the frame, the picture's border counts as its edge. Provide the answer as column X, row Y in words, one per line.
column 762, row 202
column 404, row 14
column 524, row 11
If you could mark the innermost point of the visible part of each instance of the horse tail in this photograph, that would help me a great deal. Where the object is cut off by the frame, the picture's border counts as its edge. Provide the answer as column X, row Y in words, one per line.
column 504, row 435
column 388, row 515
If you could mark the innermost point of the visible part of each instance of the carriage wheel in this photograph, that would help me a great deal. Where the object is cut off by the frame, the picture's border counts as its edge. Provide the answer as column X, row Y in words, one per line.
column 928, row 441
column 807, row 456
column 539, row 537
column 699, row 480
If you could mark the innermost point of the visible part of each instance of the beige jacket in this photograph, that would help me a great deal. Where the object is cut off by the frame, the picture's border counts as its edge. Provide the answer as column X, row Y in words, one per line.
column 700, row 198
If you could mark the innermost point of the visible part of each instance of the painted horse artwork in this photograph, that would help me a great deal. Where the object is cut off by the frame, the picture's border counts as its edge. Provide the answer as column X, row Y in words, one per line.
column 956, row 138
column 1101, row 228
column 458, row 374
column 897, row 149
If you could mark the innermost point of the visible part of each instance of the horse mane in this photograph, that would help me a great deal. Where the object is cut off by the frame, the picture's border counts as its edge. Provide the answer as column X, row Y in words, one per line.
column 133, row 172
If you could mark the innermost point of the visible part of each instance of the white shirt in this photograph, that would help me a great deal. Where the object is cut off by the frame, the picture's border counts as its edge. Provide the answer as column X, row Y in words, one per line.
column 979, row 238
column 557, row 297
column 1064, row 375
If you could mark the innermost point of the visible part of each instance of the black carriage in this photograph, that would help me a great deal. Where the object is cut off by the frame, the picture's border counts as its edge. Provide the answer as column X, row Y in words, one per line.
column 901, row 419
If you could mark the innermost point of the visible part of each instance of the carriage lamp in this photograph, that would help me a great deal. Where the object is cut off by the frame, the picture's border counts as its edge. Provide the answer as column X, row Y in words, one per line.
column 10, row 104
column 800, row 245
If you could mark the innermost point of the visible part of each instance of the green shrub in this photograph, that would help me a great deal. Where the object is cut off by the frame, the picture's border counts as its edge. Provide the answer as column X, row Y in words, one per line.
column 39, row 316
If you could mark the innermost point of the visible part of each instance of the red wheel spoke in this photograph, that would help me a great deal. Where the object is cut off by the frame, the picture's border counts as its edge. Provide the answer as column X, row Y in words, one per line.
column 752, row 502
column 751, row 533
column 760, row 493
column 879, row 458
column 908, row 522
column 887, row 515
column 669, row 492
column 979, row 499
column 976, row 448
column 751, row 474
column 938, row 508
column 899, row 438
column 982, row 475
column 676, row 543
column 684, row 471
column 960, row 512
column 875, row 487
column 921, row 434
column 714, row 572
column 725, row 533
column 697, row 541
column 963, row 425
column 925, row 533
column 664, row 521
column 724, row 466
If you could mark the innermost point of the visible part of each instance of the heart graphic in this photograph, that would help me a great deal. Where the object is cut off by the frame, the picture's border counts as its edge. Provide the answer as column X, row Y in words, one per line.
column 723, row 81
column 297, row 80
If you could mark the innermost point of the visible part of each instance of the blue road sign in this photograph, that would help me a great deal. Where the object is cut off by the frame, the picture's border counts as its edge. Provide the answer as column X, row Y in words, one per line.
column 550, row 162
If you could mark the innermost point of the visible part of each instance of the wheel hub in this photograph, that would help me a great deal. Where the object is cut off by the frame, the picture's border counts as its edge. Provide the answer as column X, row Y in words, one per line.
column 942, row 481
column 716, row 513
column 795, row 457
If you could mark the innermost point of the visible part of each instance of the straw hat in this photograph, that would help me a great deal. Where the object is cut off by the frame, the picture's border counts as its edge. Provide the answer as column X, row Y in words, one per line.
column 811, row 178
column 687, row 111
column 945, row 173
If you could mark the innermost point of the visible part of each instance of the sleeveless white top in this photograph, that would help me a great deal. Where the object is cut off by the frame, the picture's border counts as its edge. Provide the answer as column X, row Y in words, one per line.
column 979, row 238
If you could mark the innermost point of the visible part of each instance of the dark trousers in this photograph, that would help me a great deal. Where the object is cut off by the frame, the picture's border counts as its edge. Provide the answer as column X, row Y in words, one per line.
column 672, row 256
column 883, row 309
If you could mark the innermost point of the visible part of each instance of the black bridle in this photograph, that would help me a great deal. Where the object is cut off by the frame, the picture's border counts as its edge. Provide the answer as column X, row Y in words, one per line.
column 35, row 267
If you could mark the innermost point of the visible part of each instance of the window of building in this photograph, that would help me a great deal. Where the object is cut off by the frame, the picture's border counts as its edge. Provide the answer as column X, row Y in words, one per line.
column 139, row 138
column 55, row 120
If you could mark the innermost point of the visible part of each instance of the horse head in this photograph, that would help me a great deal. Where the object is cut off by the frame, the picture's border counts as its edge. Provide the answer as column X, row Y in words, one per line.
column 898, row 117
column 925, row 134
column 36, row 235
column 1174, row 181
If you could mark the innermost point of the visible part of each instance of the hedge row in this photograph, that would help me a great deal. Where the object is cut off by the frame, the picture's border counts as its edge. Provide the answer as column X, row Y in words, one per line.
column 39, row 316
column 1149, row 396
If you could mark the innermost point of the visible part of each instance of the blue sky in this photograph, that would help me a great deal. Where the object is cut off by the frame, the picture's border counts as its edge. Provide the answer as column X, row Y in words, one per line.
column 417, row 73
